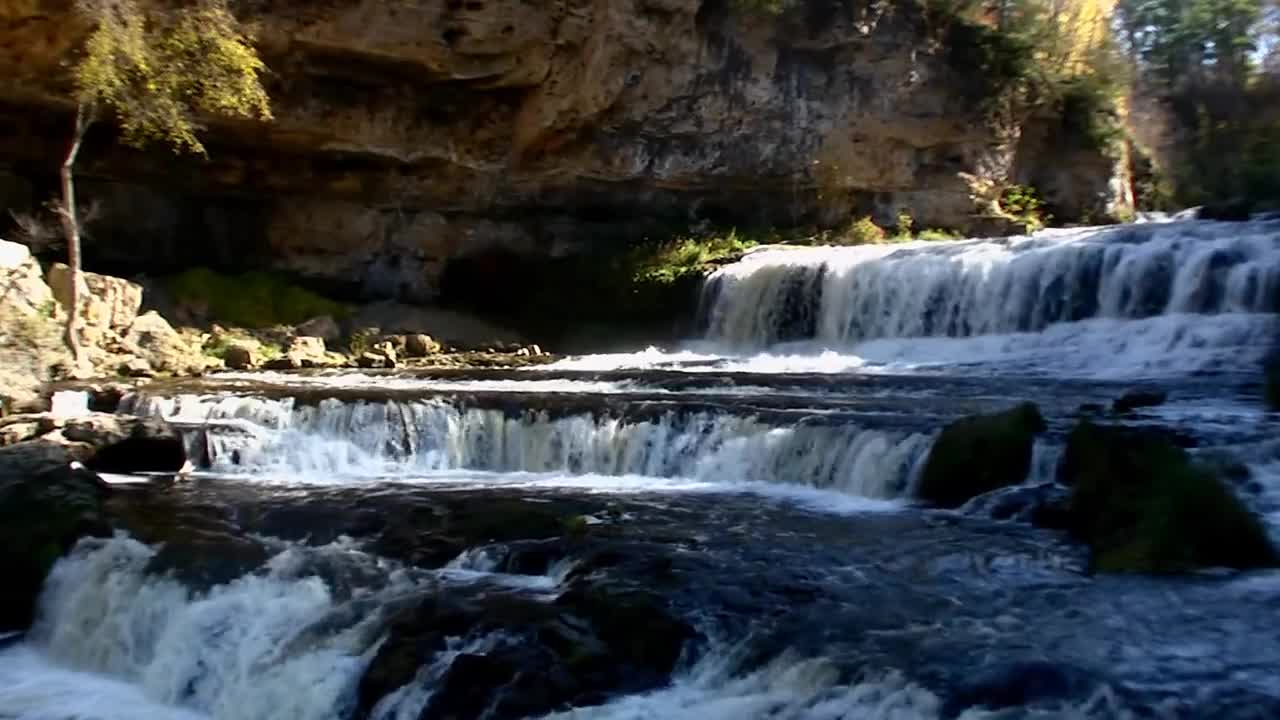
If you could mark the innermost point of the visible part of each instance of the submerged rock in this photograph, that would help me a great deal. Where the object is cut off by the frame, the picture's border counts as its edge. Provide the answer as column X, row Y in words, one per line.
column 1142, row 505
column 46, row 504
column 978, row 454
column 1135, row 399
column 532, row 657
column 1017, row 684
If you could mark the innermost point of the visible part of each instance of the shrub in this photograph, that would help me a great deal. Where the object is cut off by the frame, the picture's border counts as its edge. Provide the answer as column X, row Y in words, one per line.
column 939, row 234
column 902, row 231
column 860, row 232
column 253, row 300
column 1023, row 203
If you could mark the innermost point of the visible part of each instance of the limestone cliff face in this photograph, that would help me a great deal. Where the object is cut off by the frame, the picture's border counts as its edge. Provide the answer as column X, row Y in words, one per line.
column 413, row 132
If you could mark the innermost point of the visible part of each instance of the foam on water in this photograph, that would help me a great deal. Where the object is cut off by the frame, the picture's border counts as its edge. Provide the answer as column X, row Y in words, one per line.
column 406, row 382
column 337, row 440
column 1102, row 348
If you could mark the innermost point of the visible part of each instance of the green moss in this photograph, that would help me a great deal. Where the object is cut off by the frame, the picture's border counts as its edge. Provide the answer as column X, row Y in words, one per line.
column 979, row 454
column 253, row 300
column 936, row 234
column 1143, row 506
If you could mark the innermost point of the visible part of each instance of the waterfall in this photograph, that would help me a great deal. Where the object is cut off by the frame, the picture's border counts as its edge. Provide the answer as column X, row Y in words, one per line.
column 362, row 438
column 844, row 296
column 278, row 645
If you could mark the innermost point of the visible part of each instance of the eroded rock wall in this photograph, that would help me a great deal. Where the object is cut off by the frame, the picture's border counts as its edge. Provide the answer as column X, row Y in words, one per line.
column 411, row 133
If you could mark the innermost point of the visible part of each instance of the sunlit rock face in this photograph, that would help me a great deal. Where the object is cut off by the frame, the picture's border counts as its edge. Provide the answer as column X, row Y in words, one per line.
column 409, row 134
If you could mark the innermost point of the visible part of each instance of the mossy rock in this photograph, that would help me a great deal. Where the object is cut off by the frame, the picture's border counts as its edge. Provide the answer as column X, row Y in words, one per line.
column 1142, row 505
column 252, row 300
column 980, row 453
column 46, row 505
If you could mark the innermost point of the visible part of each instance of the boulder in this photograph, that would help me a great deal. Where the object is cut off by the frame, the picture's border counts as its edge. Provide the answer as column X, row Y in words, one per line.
column 136, row 368
column 978, row 454
column 1142, row 505
column 152, row 337
column 240, row 357
column 1271, row 381
column 109, row 302
column 418, row 345
column 46, row 505
column 22, row 287
column 373, row 361
column 323, row 327
column 1135, row 399
column 128, row 444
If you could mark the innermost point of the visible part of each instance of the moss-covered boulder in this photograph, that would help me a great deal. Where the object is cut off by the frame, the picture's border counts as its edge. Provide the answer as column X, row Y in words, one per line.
column 46, row 504
column 980, row 453
column 1142, row 505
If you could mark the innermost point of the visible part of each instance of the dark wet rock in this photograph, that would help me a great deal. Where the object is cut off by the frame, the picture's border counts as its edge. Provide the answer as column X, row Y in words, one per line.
column 418, row 345
column 1142, row 505
column 980, row 453
column 240, row 357
column 46, row 504
column 1271, row 381
column 128, row 444
column 589, row 645
column 1233, row 210
column 1018, row 684
column 1044, row 505
column 106, row 398
column 1135, row 399
column 1091, row 409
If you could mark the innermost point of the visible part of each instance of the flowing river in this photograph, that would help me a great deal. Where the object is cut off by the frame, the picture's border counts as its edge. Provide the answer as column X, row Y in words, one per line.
column 757, row 479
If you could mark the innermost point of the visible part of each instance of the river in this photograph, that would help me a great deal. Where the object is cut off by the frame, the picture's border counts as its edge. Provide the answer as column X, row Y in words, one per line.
column 757, row 479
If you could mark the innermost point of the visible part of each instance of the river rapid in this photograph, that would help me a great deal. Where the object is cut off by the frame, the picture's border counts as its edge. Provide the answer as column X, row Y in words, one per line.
column 756, row 480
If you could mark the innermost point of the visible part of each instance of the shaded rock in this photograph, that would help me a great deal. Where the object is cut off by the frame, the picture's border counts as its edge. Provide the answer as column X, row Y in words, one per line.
column 1233, row 210
column 1044, row 505
column 1135, row 399
column 45, row 506
column 323, row 327
column 1271, row 381
column 240, row 357
column 418, row 345
column 1019, row 684
column 978, row 454
column 288, row 361
column 136, row 368
column 591, row 644
column 371, row 360
column 168, row 351
column 1142, row 505
column 127, row 444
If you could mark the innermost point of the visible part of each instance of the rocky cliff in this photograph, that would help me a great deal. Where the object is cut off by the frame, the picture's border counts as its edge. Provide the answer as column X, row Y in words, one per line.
column 412, row 133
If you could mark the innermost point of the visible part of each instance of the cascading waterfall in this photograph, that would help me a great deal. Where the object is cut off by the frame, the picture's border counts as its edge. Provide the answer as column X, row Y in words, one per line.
column 843, row 296
column 278, row 645
column 353, row 439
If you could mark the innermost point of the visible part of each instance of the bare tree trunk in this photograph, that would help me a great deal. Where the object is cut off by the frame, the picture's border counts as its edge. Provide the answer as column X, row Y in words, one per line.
column 71, row 228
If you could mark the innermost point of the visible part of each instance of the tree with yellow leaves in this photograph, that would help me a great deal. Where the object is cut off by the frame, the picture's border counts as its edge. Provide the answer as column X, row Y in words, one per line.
column 155, row 72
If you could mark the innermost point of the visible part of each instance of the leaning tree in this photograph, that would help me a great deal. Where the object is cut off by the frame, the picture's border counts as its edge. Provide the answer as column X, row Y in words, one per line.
column 154, row 70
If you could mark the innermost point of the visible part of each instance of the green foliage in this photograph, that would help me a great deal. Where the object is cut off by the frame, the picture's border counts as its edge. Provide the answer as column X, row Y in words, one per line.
column 157, row 72
column 937, row 234
column 860, row 232
column 253, row 300
column 902, row 231
column 668, row 262
column 1023, row 204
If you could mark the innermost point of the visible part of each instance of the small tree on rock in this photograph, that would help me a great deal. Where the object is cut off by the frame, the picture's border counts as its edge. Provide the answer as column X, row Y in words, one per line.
column 154, row 72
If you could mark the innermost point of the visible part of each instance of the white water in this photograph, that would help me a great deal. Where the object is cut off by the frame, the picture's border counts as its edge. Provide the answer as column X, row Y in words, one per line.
column 146, row 647
column 1101, row 348
column 960, row 289
column 346, row 440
